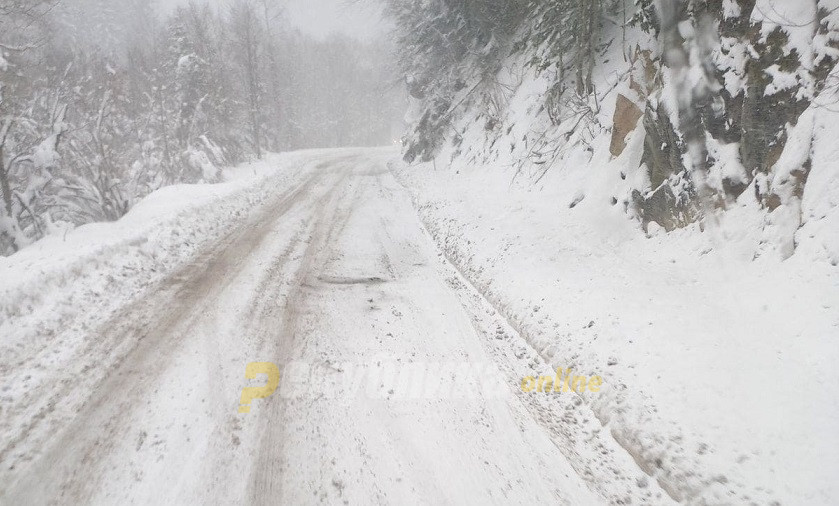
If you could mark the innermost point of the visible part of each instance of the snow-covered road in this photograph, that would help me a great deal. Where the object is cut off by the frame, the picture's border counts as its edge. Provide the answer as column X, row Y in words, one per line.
column 335, row 280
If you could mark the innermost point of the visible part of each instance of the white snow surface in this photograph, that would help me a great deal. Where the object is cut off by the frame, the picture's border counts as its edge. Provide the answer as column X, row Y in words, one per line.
column 124, row 347
column 162, row 231
column 721, row 367
column 719, row 345
column 53, row 293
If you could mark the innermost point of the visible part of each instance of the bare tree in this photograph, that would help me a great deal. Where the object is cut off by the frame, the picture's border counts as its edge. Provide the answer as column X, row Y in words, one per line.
column 246, row 33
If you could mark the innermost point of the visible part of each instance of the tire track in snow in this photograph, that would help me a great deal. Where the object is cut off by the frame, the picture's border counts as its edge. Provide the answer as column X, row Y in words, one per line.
column 135, row 341
column 604, row 474
column 264, row 485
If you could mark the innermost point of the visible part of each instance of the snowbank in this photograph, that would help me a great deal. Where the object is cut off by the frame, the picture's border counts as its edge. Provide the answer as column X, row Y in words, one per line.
column 717, row 340
column 720, row 368
column 55, row 292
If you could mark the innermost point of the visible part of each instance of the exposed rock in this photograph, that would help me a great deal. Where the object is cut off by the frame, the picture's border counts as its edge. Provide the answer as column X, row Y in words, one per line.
column 665, row 208
column 645, row 77
column 662, row 147
column 626, row 119
column 670, row 205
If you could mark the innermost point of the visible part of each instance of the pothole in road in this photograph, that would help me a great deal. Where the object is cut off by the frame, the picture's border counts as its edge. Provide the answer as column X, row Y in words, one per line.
column 339, row 280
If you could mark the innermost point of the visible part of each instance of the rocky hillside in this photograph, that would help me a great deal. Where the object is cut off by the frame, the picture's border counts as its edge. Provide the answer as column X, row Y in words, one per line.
column 717, row 114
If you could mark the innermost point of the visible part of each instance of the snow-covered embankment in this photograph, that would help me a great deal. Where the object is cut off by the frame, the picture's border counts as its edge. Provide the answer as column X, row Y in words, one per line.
column 720, row 370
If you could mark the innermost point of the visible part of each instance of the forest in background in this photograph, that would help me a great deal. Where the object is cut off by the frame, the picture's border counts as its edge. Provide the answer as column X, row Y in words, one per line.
column 104, row 101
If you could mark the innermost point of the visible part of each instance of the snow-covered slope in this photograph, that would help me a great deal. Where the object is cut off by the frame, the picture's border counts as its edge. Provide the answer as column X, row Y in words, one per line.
column 674, row 229
column 721, row 115
column 720, row 369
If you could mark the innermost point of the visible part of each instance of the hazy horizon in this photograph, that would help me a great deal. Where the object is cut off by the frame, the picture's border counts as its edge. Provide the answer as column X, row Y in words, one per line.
column 361, row 19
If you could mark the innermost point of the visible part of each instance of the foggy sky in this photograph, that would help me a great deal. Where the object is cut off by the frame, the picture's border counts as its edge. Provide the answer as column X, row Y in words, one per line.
column 358, row 18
